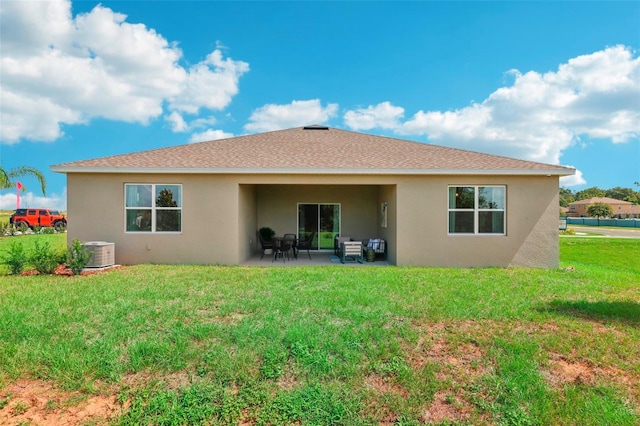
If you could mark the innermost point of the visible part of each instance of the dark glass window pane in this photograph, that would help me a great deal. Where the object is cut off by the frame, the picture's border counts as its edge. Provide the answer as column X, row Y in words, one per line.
column 461, row 223
column 168, row 221
column 139, row 220
column 491, row 222
column 461, row 197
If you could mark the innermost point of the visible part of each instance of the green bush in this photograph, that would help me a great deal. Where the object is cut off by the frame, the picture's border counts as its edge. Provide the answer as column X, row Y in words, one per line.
column 44, row 258
column 48, row 230
column 78, row 257
column 15, row 258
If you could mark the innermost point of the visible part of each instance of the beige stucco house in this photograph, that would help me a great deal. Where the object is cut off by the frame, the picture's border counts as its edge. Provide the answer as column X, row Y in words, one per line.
column 202, row 203
column 620, row 208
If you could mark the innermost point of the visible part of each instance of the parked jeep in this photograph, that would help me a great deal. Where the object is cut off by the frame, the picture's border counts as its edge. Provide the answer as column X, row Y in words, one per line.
column 38, row 217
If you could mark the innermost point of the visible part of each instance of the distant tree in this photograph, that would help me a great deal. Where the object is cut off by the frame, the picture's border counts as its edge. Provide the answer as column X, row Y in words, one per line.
column 624, row 194
column 8, row 177
column 592, row 192
column 600, row 210
column 566, row 196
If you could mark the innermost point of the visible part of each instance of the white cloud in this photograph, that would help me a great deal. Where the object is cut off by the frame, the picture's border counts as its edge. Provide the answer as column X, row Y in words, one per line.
column 298, row 113
column 539, row 115
column 210, row 84
column 29, row 199
column 57, row 69
column 177, row 122
column 209, row 135
column 573, row 180
column 384, row 116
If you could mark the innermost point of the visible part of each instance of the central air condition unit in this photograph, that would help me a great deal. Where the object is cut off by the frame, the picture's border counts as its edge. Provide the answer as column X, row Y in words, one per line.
column 104, row 253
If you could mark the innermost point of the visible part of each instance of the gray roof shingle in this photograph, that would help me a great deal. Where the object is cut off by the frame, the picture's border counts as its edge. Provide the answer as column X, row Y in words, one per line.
column 304, row 150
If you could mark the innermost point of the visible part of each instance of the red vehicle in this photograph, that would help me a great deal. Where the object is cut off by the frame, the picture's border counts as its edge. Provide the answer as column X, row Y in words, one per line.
column 38, row 217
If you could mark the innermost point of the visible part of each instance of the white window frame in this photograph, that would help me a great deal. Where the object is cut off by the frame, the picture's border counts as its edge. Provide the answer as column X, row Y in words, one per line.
column 476, row 210
column 153, row 208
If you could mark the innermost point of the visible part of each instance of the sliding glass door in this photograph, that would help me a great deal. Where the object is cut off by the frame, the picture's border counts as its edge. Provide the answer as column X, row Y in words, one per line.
column 323, row 219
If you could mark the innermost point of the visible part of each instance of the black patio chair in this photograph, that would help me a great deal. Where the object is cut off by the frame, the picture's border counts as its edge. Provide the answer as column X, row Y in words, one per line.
column 264, row 244
column 305, row 244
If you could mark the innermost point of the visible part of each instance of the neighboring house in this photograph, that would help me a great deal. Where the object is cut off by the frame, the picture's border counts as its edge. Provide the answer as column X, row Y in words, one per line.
column 580, row 208
column 202, row 203
column 634, row 212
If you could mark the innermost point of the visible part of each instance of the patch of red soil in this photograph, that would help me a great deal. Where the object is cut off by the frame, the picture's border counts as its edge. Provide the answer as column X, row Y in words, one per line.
column 562, row 371
column 455, row 359
column 446, row 408
column 64, row 271
column 384, row 384
column 39, row 403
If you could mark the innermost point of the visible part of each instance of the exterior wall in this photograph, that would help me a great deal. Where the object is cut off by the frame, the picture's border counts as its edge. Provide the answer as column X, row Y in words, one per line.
column 387, row 194
column 221, row 214
column 95, row 205
column 531, row 224
column 247, row 211
column 278, row 207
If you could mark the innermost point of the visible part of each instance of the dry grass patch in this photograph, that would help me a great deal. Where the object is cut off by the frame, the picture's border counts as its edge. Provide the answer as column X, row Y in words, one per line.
column 562, row 371
column 440, row 344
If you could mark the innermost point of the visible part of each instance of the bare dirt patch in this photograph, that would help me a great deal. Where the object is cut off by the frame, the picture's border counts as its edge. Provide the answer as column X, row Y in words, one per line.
column 562, row 371
column 446, row 407
column 456, row 359
column 384, row 384
column 62, row 270
column 40, row 403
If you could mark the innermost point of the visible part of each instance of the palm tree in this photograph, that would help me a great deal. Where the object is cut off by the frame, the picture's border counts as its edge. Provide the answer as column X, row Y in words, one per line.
column 8, row 176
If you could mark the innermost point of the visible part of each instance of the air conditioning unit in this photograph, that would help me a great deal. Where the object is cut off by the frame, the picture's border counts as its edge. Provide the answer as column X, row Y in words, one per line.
column 104, row 253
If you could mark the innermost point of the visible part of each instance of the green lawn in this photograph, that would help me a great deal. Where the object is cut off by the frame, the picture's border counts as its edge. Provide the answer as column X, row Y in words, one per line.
column 335, row 345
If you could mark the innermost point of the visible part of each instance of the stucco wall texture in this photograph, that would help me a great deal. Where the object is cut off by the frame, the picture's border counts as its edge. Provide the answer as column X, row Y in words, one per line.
column 221, row 213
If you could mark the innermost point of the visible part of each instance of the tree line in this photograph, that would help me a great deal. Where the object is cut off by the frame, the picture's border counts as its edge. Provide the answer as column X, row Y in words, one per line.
column 625, row 194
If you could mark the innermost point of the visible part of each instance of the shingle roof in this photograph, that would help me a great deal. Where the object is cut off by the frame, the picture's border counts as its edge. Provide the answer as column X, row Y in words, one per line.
column 306, row 150
column 605, row 200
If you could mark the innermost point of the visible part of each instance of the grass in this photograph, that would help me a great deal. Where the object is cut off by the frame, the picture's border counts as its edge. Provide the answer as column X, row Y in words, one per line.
column 334, row 345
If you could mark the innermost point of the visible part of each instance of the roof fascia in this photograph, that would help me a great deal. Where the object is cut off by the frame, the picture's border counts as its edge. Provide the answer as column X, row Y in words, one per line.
column 287, row 171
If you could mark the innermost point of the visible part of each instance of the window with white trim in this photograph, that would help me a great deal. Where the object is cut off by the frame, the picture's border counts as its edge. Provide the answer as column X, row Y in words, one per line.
column 153, row 207
column 477, row 210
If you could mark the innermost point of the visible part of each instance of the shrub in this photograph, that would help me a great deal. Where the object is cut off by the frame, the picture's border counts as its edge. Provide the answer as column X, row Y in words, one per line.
column 15, row 258
column 78, row 257
column 48, row 230
column 43, row 258
column 567, row 232
column 4, row 228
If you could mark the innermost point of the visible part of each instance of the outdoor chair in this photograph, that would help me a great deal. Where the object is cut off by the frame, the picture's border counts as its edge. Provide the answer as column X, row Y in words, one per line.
column 264, row 244
column 281, row 248
column 337, row 241
column 379, row 246
column 291, row 239
column 306, row 244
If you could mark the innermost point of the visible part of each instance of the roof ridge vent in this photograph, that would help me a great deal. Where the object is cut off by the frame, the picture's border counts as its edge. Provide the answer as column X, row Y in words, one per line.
column 315, row 127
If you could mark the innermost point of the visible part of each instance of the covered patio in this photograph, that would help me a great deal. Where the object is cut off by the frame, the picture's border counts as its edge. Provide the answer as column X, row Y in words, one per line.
column 317, row 259
column 325, row 209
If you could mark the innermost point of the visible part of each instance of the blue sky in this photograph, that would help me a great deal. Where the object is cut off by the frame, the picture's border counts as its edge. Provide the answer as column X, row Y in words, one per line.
column 555, row 82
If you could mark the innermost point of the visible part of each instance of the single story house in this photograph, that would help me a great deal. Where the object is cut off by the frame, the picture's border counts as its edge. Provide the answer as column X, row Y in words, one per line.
column 580, row 208
column 202, row 203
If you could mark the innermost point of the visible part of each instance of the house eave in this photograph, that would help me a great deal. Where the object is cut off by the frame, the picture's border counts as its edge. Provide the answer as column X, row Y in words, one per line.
column 319, row 171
